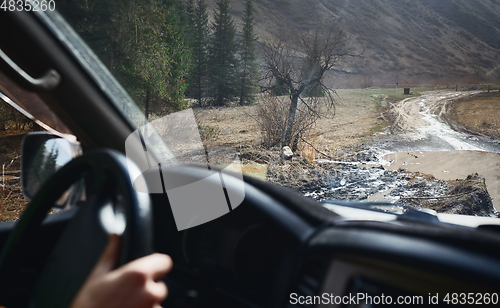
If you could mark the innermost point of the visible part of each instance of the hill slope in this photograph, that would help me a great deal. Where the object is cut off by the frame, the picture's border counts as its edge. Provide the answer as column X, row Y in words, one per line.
column 410, row 41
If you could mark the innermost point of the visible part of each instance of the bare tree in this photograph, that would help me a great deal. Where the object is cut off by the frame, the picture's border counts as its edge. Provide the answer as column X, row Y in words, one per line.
column 297, row 62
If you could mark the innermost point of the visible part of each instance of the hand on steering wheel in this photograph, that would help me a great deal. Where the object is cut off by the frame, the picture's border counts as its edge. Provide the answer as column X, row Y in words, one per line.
column 133, row 285
column 112, row 205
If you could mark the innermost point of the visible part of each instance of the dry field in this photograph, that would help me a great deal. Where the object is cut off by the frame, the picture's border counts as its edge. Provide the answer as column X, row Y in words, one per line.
column 356, row 120
column 480, row 114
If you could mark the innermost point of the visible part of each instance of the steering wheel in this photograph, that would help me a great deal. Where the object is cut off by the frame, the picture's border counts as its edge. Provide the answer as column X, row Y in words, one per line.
column 112, row 206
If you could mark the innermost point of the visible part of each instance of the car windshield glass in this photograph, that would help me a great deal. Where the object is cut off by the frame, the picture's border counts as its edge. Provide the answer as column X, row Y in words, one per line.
column 339, row 100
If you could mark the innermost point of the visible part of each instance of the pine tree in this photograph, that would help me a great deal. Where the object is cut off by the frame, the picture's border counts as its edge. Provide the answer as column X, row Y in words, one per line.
column 157, row 54
column 141, row 42
column 95, row 22
column 222, row 56
column 248, row 69
column 187, row 20
column 189, row 15
column 180, row 55
column 199, row 60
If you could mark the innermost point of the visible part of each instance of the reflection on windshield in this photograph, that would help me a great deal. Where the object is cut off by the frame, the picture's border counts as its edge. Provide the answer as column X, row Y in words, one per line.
column 194, row 199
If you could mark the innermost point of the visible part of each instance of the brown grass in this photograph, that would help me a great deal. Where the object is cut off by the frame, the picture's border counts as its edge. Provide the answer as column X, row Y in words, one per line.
column 357, row 120
column 12, row 201
column 308, row 151
column 235, row 126
column 480, row 114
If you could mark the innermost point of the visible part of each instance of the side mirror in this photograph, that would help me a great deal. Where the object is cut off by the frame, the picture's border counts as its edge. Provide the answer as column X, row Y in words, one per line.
column 42, row 154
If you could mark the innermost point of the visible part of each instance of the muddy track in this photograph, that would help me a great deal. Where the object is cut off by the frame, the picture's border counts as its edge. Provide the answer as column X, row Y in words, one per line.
column 426, row 138
column 426, row 123
column 406, row 115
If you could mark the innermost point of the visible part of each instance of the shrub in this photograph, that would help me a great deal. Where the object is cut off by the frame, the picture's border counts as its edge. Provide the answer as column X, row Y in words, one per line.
column 272, row 116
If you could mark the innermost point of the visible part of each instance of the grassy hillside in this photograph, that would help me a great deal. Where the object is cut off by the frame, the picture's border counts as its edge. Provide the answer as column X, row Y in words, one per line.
column 409, row 41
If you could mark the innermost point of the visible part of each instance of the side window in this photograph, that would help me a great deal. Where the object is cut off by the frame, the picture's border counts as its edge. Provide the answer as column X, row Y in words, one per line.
column 21, row 112
column 13, row 127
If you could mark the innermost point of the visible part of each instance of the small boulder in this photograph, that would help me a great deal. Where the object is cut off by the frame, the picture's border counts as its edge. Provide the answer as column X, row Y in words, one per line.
column 287, row 153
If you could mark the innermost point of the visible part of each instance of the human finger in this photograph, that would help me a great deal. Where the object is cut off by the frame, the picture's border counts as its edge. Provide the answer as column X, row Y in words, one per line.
column 107, row 260
column 158, row 290
column 156, row 265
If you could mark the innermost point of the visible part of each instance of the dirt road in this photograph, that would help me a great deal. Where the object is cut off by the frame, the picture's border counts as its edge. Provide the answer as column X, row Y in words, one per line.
column 425, row 139
column 423, row 123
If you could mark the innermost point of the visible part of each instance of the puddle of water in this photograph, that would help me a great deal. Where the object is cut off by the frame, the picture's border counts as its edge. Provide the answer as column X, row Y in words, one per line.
column 451, row 165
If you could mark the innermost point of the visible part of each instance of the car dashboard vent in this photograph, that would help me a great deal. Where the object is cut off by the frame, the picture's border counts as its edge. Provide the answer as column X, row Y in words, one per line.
column 309, row 280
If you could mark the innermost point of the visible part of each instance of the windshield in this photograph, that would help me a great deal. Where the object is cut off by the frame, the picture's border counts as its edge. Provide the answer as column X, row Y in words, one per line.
column 338, row 100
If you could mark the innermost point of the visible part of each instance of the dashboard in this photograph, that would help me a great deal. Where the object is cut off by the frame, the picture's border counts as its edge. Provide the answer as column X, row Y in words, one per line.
column 268, row 253
column 246, row 255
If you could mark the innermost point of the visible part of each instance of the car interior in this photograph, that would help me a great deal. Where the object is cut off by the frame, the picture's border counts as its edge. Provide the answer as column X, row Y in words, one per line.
column 276, row 249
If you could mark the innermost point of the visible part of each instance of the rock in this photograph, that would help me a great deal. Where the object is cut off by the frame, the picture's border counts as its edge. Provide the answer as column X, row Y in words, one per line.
column 287, row 153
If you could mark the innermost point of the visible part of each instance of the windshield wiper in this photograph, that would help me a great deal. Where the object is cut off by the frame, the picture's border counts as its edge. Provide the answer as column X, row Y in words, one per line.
column 365, row 205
